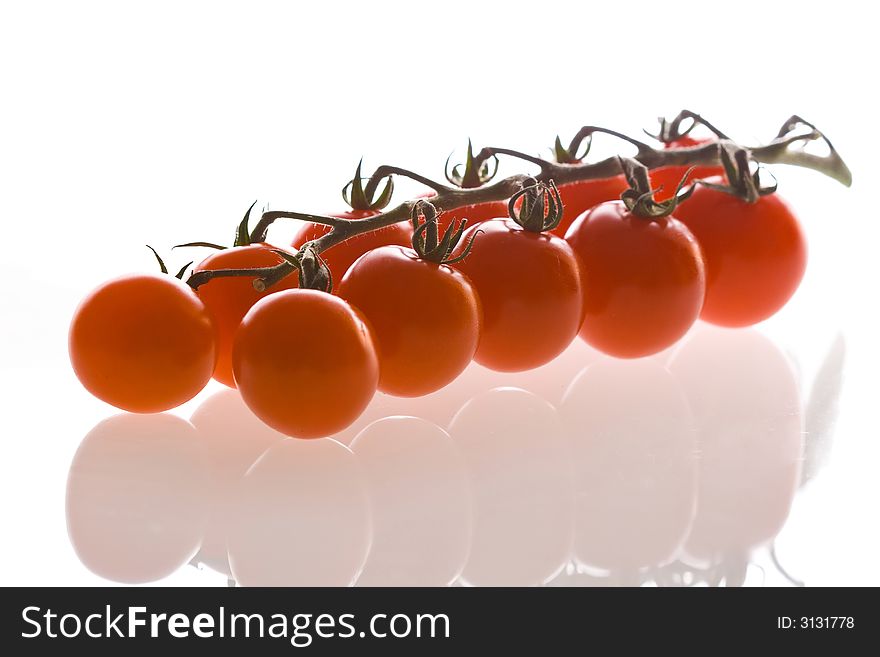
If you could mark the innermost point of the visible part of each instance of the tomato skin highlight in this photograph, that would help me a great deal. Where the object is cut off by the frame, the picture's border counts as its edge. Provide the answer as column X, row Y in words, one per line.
column 340, row 257
column 756, row 254
column 529, row 286
column 425, row 317
column 646, row 280
column 666, row 179
column 229, row 298
column 305, row 363
column 578, row 197
column 143, row 343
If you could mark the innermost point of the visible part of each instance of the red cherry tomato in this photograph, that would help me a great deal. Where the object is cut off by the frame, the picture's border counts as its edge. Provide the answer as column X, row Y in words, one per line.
column 645, row 280
column 756, row 254
column 144, row 343
column 305, row 363
column 341, row 256
column 529, row 285
column 425, row 318
column 579, row 197
column 229, row 298
column 669, row 177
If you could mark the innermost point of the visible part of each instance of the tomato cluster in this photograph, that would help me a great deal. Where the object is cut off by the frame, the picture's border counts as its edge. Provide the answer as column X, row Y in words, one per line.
column 492, row 481
column 414, row 303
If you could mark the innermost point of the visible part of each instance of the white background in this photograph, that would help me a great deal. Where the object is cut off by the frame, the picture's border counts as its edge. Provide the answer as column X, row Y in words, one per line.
column 123, row 124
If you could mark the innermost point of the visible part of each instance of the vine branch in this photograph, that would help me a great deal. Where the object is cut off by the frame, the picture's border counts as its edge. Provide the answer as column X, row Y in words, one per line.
column 786, row 148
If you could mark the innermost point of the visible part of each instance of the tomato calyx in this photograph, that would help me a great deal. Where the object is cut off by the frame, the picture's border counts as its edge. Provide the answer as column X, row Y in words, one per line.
column 541, row 207
column 571, row 154
column 357, row 198
column 744, row 176
column 427, row 241
column 639, row 198
column 671, row 132
column 242, row 236
column 313, row 271
column 476, row 170
column 164, row 269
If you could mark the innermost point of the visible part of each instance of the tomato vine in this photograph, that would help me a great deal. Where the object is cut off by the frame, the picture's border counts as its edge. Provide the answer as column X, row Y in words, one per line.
column 786, row 148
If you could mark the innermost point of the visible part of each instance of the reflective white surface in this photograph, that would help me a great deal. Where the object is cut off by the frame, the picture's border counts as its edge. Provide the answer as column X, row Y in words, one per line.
column 709, row 464
column 675, row 470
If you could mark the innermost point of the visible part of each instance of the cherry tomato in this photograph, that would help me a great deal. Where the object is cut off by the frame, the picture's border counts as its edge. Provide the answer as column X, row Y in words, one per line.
column 341, row 256
column 229, row 298
column 646, row 280
column 669, row 177
column 529, row 285
column 756, row 254
column 305, row 362
column 425, row 318
column 579, row 197
column 143, row 343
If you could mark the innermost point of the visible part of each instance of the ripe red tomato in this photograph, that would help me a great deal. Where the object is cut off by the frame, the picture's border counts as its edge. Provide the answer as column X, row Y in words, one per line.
column 756, row 254
column 425, row 318
column 341, row 256
column 143, row 342
column 529, row 285
column 305, row 363
column 229, row 298
column 645, row 280
column 579, row 197
column 669, row 177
